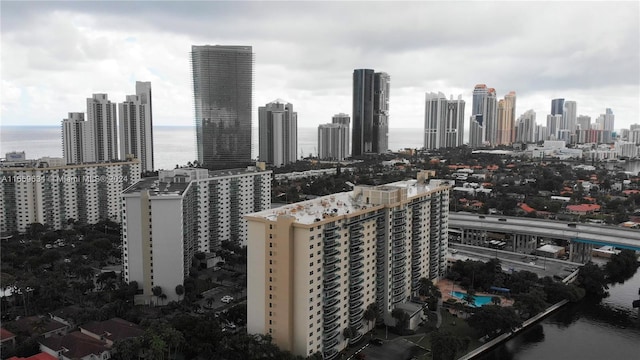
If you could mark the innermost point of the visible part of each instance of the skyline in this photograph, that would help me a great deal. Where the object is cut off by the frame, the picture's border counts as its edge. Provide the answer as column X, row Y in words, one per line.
column 76, row 49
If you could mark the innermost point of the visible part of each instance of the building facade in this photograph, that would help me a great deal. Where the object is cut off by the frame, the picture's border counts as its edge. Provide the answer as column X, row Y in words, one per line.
column 102, row 128
column 370, row 112
column 333, row 142
column 58, row 195
column 526, row 128
column 136, row 126
column 223, row 96
column 443, row 121
column 278, row 133
column 314, row 267
column 75, row 140
column 168, row 218
column 484, row 113
column 345, row 120
column 506, row 116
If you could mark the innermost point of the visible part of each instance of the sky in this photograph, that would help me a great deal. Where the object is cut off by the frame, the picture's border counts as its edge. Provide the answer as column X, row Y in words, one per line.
column 56, row 54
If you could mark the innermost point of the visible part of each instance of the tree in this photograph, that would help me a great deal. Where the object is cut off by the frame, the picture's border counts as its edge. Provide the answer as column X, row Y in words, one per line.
column 179, row 290
column 621, row 266
column 402, row 319
column 445, row 345
column 349, row 333
column 592, row 279
column 371, row 313
column 470, row 297
column 493, row 320
column 531, row 303
column 157, row 291
column 126, row 349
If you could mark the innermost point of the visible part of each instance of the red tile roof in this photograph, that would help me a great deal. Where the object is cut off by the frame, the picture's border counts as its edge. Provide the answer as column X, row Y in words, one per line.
column 41, row 356
column 113, row 329
column 583, row 207
column 30, row 325
column 75, row 345
column 528, row 209
column 6, row 334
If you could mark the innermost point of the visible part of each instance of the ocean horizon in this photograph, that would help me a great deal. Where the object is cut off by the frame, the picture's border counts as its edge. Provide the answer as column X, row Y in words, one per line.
column 173, row 144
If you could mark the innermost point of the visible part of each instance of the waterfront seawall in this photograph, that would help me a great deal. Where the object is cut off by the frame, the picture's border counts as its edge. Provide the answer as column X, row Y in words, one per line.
column 504, row 337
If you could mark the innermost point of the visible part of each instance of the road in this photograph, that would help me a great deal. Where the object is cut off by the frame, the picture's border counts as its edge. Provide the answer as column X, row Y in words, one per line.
column 515, row 262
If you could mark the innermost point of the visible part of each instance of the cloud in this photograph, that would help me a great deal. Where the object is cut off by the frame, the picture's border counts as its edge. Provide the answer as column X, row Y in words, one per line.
column 59, row 53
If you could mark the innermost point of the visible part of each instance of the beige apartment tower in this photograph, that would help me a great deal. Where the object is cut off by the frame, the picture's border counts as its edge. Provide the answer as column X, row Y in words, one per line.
column 314, row 267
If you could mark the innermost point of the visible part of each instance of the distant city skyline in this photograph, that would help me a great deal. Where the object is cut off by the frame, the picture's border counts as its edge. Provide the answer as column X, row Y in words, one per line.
column 78, row 48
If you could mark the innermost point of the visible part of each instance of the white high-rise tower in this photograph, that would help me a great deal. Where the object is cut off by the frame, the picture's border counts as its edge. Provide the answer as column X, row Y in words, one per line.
column 136, row 126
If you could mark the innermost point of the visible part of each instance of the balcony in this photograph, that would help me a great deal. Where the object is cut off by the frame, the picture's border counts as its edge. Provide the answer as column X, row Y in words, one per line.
column 357, row 296
column 356, row 315
column 356, row 242
column 331, row 294
column 356, row 282
column 400, row 257
column 330, row 278
column 330, row 336
column 331, row 286
column 357, row 227
column 398, row 285
column 357, row 265
column 330, row 354
column 356, row 273
column 397, row 299
column 353, row 305
column 356, row 252
column 331, row 319
column 328, row 245
column 330, row 227
column 356, row 288
column 398, row 271
column 399, row 222
column 329, row 303
column 399, row 291
column 331, row 260
column 330, row 270
column 356, row 236
column 398, row 250
column 330, row 327
column 397, row 264
column 331, row 311
column 396, row 278
column 332, row 252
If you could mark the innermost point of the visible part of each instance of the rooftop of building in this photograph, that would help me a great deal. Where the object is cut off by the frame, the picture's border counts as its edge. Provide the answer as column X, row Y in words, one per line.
column 6, row 334
column 37, row 325
column 344, row 203
column 75, row 345
column 176, row 181
column 40, row 356
column 113, row 329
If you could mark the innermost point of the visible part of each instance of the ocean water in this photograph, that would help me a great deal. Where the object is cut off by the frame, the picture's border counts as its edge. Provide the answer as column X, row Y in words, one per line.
column 173, row 145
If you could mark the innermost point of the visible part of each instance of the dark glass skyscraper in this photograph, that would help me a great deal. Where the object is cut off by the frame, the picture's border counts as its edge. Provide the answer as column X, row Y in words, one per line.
column 557, row 106
column 223, row 91
column 370, row 130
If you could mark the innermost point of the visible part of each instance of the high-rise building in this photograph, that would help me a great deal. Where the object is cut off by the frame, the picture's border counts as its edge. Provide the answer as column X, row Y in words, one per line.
column 278, row 133
column 476, row 131
column 553, row 126
column 223, row 92
column 76, row 145
column 370, row 112
column 584, row 122
column 506, row 114
column 314, row 267
column 136, row 126
column 557, row 106
column 344, row 119
column 526, row 130
column 484, row 109
column 168, row 218
column 444, row 121
column 103, row 128
column 53, row 194
column 569, row 116
column 606, row 122
column 333, row 141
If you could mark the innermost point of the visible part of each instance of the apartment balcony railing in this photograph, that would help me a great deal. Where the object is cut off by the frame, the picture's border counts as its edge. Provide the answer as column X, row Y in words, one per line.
column 329, row 303
column 330, row 327
column 331, row 353
column 357, row 265
column 400, row 257
column 331, row 260
column 332, row 310
column 356, row 288
column 331, row 319
column 356, row 283
column 398, row 270
column 331, row 294
column 397, row 299
column 330, row 270
column 332, row 252
column 353, row 305
column 356, row 296
column 356, row 273
column 356, row 253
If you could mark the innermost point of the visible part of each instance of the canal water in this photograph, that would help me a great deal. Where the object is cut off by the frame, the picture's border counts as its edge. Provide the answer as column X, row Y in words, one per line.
column 606, row 330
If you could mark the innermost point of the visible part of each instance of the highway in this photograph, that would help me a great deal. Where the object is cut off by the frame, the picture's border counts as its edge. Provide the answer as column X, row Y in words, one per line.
column 577, row 232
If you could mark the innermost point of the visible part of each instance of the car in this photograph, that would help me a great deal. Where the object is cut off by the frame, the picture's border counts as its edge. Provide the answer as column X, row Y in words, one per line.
column 226, row 299
column 376, row 341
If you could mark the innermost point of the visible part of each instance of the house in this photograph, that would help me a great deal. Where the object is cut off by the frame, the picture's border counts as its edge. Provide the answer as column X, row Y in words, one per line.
column 33, row 326
column 111, row 330
column 75, row 346
column 67, row 314
column 7, row 339
column 40, row 356
column 583, row 209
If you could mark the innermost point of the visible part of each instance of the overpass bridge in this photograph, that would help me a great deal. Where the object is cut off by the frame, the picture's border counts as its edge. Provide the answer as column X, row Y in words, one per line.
column 523, row 234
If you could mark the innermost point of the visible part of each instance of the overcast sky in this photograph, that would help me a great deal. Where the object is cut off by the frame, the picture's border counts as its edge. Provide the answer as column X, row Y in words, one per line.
column 56, row 54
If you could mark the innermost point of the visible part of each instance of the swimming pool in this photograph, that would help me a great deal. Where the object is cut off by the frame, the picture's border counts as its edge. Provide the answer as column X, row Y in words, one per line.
column 479, row 299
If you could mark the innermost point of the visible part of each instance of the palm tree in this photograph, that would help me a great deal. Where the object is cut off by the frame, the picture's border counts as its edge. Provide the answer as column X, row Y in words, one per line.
column 470, row 297
column 371, row 314
column 157, row 291
column 402, row 319
column 179, row 291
